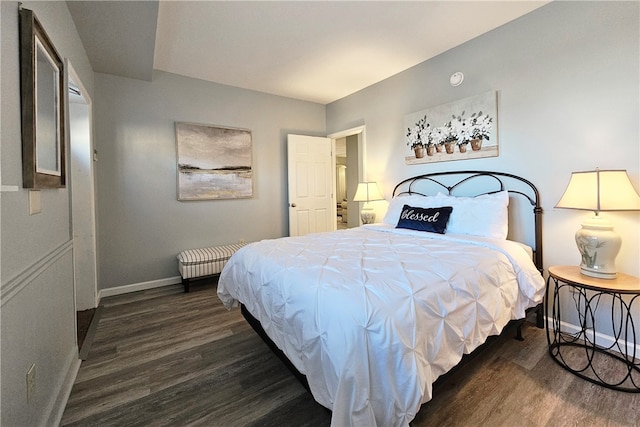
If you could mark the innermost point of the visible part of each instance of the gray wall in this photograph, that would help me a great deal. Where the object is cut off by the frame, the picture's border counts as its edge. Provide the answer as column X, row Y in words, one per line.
column 568, row 100
column 37, row 296
column 141, row 224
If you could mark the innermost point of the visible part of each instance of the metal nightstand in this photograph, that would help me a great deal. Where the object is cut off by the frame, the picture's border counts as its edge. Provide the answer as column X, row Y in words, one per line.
column 579, row 352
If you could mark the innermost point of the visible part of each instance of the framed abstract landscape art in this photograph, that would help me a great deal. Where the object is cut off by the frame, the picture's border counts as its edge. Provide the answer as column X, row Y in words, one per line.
column 213, row 162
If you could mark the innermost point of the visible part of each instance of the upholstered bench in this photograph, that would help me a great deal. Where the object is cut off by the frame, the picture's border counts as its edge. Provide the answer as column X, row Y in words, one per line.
column 197, row 263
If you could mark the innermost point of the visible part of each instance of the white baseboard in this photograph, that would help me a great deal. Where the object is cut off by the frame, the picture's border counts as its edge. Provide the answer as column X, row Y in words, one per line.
column 602, row 340
column 134, row 287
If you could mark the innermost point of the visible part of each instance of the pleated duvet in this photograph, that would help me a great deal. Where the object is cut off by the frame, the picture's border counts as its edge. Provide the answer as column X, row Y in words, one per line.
column 374, row 315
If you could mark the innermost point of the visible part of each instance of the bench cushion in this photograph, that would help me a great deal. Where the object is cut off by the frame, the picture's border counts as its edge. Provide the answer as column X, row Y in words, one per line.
column 205, row 261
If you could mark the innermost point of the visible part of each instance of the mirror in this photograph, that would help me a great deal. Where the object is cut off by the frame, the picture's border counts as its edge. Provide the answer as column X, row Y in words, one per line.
column 42, row 82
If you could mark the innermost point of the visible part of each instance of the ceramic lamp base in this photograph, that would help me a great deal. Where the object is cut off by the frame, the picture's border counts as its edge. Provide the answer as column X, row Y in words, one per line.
column 368, row 216
column 598, row 245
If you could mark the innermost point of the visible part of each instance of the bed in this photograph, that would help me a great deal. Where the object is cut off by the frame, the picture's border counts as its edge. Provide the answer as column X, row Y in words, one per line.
column 372, row 316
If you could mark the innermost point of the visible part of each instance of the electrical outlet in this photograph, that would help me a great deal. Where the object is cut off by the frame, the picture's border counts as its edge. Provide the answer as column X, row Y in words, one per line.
column 31, row 382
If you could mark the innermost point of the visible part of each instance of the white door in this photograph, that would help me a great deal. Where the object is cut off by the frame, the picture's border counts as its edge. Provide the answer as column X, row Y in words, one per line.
column 82, row 194
column 312, row 206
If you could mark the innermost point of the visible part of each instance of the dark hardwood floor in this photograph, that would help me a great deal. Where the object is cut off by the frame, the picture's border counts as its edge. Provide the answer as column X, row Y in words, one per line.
column 165, row 358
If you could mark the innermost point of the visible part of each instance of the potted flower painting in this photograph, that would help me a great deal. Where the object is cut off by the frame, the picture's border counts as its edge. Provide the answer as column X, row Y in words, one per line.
column 460, row 131
column 434, row 134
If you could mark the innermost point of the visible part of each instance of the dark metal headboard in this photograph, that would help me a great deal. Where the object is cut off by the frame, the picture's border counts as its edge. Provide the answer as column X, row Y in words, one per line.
column 497, row 181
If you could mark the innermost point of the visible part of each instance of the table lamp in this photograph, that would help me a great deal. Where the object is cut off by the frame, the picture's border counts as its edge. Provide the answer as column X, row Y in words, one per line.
column 367, row 192
column 597, row 191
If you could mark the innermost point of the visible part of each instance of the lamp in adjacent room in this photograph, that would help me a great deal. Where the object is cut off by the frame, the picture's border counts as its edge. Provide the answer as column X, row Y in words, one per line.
column 598, row 191
column 367, row 192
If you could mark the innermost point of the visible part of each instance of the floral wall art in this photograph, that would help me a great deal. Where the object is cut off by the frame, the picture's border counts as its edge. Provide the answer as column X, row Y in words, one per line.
column 464, row 129
column 213, row 162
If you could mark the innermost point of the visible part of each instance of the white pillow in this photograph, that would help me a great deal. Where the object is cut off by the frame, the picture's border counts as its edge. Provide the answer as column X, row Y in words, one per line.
column 485, row 215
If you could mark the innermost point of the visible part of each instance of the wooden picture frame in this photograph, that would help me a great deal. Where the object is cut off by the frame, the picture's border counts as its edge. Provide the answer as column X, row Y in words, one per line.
column 42, row 105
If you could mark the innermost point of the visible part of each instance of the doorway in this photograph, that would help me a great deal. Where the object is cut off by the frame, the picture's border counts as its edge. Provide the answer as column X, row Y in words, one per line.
column 82, row 199
column 349, row 170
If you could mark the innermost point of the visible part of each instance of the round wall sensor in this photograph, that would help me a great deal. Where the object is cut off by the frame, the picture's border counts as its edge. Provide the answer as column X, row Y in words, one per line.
column 456, row 79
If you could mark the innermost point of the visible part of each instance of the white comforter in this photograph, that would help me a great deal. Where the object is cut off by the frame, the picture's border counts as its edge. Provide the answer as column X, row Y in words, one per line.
column 374, row 315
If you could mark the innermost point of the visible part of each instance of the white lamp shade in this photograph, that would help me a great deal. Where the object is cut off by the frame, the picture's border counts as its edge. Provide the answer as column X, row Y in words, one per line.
column 600, row 190
column 368, row 192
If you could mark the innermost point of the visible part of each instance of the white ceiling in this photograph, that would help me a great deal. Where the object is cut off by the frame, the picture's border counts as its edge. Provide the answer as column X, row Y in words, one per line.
column 315, row 51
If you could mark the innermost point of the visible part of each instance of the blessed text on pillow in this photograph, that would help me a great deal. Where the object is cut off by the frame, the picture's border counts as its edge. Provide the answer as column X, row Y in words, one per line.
column 433, row 220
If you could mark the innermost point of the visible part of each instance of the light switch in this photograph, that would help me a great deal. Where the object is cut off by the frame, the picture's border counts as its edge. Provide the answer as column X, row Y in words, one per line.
column 35, row 205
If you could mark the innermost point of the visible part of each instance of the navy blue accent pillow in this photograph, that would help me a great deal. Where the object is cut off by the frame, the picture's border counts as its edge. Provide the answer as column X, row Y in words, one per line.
column 433, row 220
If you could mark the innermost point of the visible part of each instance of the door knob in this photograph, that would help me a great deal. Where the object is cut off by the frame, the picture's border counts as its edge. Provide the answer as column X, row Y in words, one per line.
column 293, row 205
